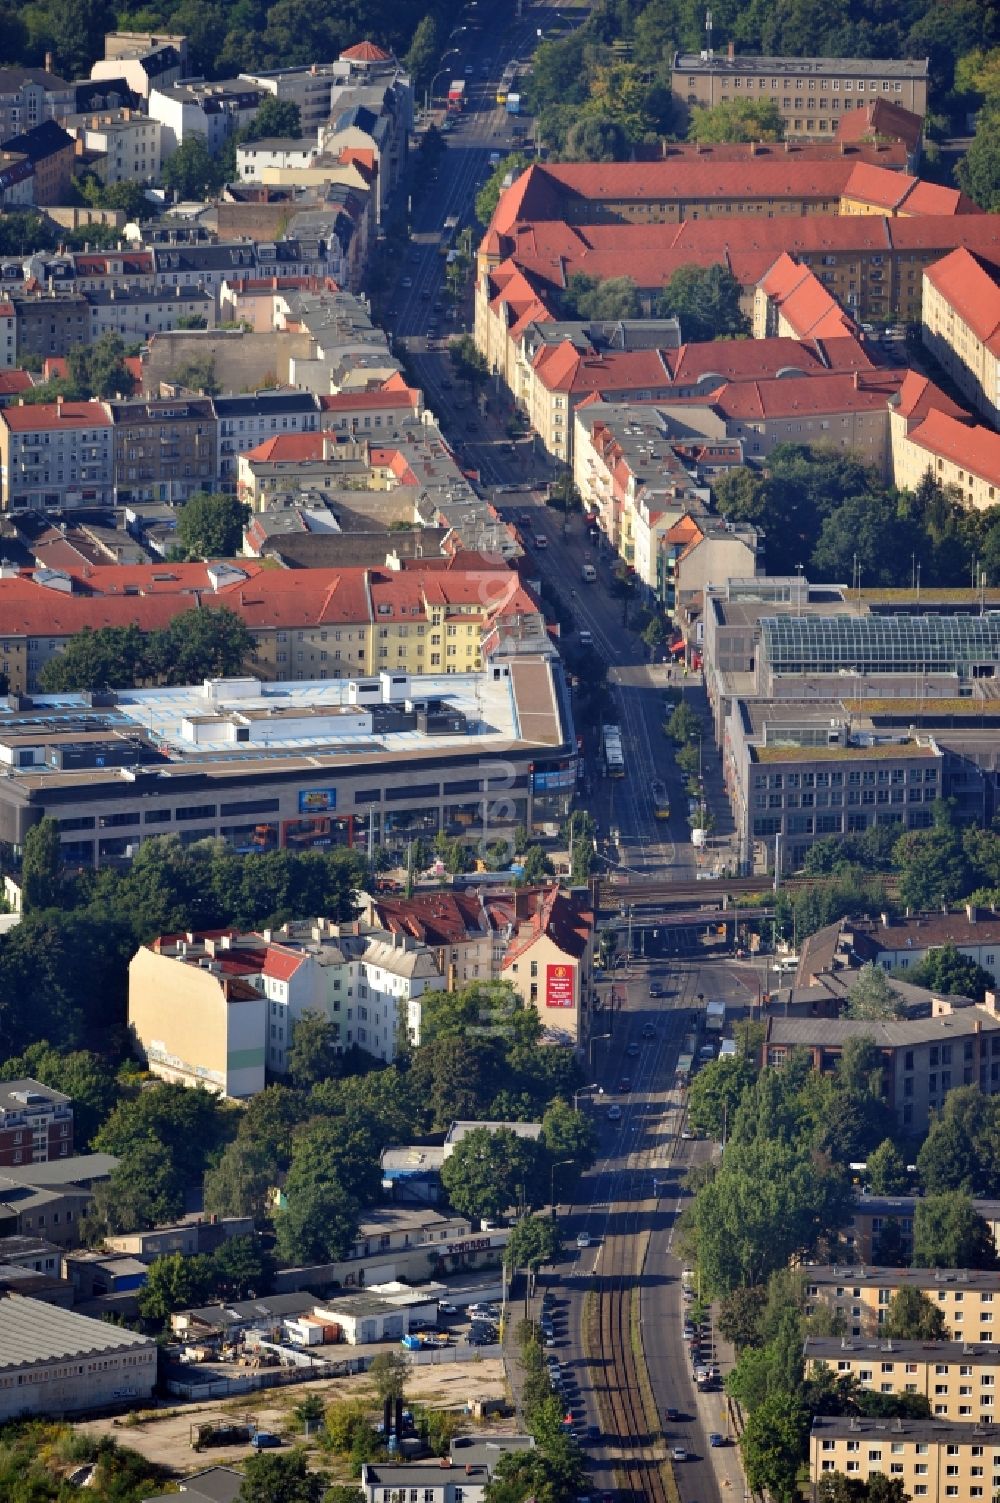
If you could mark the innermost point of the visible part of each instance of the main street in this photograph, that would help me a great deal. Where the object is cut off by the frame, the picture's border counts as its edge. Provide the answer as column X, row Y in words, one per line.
column 634, row 1196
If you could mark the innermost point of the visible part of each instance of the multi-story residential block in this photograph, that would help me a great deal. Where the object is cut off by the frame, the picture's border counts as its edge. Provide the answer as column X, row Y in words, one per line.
column 29, row 96
column 51, row 152
column 873, row 190
column 883, row 121
column 138, row 313
column 860, row 1295
column 875, row 1215
column 36, row 1123
column 128, row 142
column 51, row 1197
column 215, row 111
column 923, row 1058
column 55, row 455
column 791, row 301
column 313, row 624
column 549, row 963
column 49, row 321
column 932, row 1459
column 245, row 421
column 145, row 59
column 810, row 93
column 961, row 325
column 959, row 1379
column 17, row 180
column 221, row 1011
column 163, row 450
column 361, row 761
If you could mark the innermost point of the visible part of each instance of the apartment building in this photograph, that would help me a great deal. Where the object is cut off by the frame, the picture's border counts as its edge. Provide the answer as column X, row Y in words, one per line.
column 246, row 420
column 215, row 111
column 640, row 473
column 549, row 962
column 362, row 762
column 810, row 93
column 934, row 1459
column 50, row 1197
column 48, row 322
column 220, row 1010
column 923, row 1058
column 28, row 96
column 128, row 144
column 139, row 313
column 873, row 1215
column 958, row 1379
column 961, row 325
column 163, row 450
column 310, row 624
column 55, row 456
column 791, row 302
column 36, row 1123
column 969, row 1299
column 17, row 180
column 145, row 59
column 52, row 153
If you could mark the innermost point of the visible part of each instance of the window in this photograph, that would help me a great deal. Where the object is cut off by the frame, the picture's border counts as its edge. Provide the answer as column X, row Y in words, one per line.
column 197, row 811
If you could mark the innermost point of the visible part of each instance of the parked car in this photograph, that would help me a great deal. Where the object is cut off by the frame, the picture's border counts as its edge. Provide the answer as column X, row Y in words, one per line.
column 583, row 1240
column 625, row 1084
column 614, row 1113
column 678, row 1453
column 671, row 1415
column 716, row 1440
column 656, row 990
column 632, row 1050
column 649, row 1031
column 265, row 1440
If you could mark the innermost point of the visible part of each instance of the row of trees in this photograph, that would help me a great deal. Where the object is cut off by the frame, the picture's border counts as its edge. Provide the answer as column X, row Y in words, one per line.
column 201, row 643
column 826, row 509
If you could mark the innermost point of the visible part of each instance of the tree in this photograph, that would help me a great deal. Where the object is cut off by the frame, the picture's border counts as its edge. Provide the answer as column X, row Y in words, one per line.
column 933, row 870
column 872, row 996
column 772, row 1445
column 911, row 1316
column 887, row 1170
column 534, row 1240
column 129, row 197
column 684, row 724
column 706, row 299
column 596, row 138
column 949, row 1233
column 947, row 971
column 740, row 1316
column 278, row 118
column 144, row 1189
column 737, row 120
column 389, row 1372
column 313, row 1055
column 537, row 866
column 212, row 642
column 239, row 1268
column 174, row 1282
column 41, row 866
column 568, row 1135
column 211, row 525
column 424, row 51
column 978, row 172
column 488, row 1172
column 654, row 635
column 591, row 298
column 489, row 194
column 268, row 1478
column 192, row 171
column 716, row 1092
column 468, row 363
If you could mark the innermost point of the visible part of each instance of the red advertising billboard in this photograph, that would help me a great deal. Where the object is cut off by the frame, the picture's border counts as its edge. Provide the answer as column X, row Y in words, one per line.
column 559, row 986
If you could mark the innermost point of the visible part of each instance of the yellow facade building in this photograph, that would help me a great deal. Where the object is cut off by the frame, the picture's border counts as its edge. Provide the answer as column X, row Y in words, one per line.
column 959, row 1379
column 935, row 1460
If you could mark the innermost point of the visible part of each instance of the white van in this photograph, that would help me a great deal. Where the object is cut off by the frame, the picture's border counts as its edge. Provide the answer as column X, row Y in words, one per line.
column 589, row 573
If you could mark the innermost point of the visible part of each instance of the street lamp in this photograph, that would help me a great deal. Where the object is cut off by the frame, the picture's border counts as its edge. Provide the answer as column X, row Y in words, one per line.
column 580, row 1090
column 596, row 1039
column 552, row 1184
column 429, row 92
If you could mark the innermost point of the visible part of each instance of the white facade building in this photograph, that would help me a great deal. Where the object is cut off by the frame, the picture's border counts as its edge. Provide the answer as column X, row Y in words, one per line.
column 53, row 1361
column 131, row 143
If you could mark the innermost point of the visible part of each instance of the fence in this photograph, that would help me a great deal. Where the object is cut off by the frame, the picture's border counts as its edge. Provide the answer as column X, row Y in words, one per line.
column 304, row 1369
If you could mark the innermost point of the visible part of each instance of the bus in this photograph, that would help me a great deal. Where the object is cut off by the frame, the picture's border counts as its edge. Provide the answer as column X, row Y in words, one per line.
column 506, row 83
column 449, row 232
column 614, row 757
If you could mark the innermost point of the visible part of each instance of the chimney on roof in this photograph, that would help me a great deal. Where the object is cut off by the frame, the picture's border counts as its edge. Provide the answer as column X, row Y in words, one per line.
column 972, row 912
column 48, row 62
column 731, row 52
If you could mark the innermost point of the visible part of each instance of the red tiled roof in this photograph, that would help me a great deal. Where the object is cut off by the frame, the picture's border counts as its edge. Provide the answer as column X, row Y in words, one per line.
column 434, row 918
column 973, row 290
column 288, row 448
column 884, row 153
column 560, row 920
column 896, row 191
column 14, row 381
column 974, row 449
column 387, row 397
column 807, row 306
column 561, row 367
column 756, row 359
column 365, row 52
column 282, row 964
column 918, row 395
column 884, row 119
column 52, row 415
column 817, row 395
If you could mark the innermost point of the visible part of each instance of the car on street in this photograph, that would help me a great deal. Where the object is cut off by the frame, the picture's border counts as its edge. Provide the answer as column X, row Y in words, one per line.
column 632, row 1050
column 715, row 1440
column 583, row 1240
column 678, row 1453
column 625, row 1084
column 592, row 1432
column 407, row 282
column 524, row 517
column 614, row 1113
column 649, row 1031
column 586, row 638
column 444, row 1308
column 540, row 540
column 671, row 1415
column 655, row 990
column 688, row 1134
